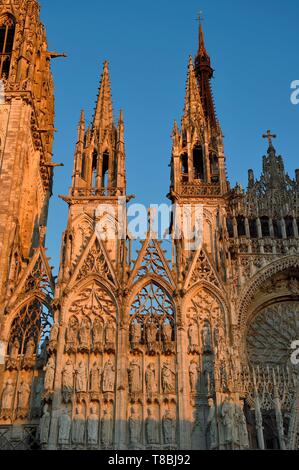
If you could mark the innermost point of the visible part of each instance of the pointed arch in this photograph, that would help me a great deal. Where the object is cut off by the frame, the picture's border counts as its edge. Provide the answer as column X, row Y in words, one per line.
column 7, row 35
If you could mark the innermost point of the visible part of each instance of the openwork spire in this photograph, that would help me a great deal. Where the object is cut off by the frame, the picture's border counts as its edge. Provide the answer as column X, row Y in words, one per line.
column 193, row 111
column 103, row 117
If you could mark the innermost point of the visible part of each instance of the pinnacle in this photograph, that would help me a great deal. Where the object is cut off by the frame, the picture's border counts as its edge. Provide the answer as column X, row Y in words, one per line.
column 103, row 117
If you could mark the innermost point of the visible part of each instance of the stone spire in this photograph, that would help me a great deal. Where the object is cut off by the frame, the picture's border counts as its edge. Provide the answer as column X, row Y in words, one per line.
column 103, row 117
column 193, row 111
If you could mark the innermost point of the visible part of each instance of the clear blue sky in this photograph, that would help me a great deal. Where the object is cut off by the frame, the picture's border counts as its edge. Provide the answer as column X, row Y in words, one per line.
column 254, row 49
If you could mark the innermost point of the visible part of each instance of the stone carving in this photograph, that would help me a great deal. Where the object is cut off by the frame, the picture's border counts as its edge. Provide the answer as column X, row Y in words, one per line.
column 53, row 338
column 168, row 346
column 78, row 427
column 50, row 375
column 95, row 378
column 64, row 429
column 193, row 347
column 12, row 362
column 97, row 332
column 81, row 378
column 135, row 382
column 29, row 359
column 7, row 399
column 241, row 427
column 151, row 381
column 93, row 428
column 44, row 427
column 168, row 379
column 110, row 337
column 227, row 419
column 194, row 376
column 23, row 393
column 72, row 335
column 107, row 430
column 212, row 429
column 151, row 429
column 136, row 335
column 151, row 337
column 134, row 428
column 169, row 428
column 68, row 373
column 36, row 410
column 84, row 335
column 108, row 377
column 207, row 338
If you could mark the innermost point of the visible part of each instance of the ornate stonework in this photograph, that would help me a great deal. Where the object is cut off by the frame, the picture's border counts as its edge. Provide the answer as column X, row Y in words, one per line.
column 117, row 353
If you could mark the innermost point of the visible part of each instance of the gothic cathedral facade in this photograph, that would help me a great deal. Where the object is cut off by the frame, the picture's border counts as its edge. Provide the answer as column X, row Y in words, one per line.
column 116, row 353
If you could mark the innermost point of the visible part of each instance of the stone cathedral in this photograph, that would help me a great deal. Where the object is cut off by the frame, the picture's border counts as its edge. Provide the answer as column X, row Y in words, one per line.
column 121, row 353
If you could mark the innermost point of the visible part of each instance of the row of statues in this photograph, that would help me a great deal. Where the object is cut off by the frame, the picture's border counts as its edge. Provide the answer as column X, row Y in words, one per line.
column 168, row 379
column 96, row 431
column 203, row 342
column 87, row 336
column 227, row 428
column 27, row 353
column 150, row 334
column 15, row 400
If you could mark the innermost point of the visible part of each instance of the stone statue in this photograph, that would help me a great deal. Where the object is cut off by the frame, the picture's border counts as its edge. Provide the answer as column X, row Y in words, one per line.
column 72, row 335
column 54, row 336
column 169, row 428
column 135, row 382
column 193, row 339
column 167, row 338
column 95, row 378
column 136, row 334
column 50, row 374
column 93, row 427
column 84, row 334
column 78, row 427
column 30, row 349
column 97, row 335
column 64, row 428
column 108, row 377
column 135, row 428
column 24, row 391
column 212, row 429
column 14, row 351
column 110, row 336
column 150, row 380
column 151, row 429
column 228, row 417
column 207, row 338
column 107, row 430
column 7, row 399
column 151, row 337
column 194, row 375
column 81, row 377
column 168, row 379
column 44, row 427
column 242, row 427
column 68, row 377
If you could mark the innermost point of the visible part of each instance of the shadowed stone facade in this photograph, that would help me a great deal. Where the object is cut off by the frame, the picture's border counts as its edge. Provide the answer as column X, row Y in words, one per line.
column 192, row 353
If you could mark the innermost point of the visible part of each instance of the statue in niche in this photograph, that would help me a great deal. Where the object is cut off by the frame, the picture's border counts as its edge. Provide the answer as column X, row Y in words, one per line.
column 107, row 430
column 151, row 429
column 64, row 428
column 12, row 362
column 167, row 338
column 135, row 427
column 151, row 337
column 81, row 377
column 150, row 380
column 212, row 429
column 227, row 419
column 95, row 378
column 136, row 334
column 44, row 427
column 169, row 428
column 93, row 427
column 72, row 335
column 78, row 427
column 23, row 393
column 135, row 382
column 110, row 336
column 108, row 377
column 242, row 426
column 53, row 338
column 50, row 374
column 97, row 334
column 207, row 338
column 168, row 379
column 209, row 379
column 194, row 376
column 7, row 399
column 84, row 335
column 68, row 379
column 30, row 349
column 223, row 376
column 193, row 339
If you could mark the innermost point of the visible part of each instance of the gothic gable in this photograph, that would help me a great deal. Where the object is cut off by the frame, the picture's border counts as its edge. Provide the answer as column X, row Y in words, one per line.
column 202, row 269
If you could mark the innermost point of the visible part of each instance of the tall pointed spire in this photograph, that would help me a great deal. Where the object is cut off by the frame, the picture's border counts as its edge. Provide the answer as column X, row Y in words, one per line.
column 193, row 111
column 103, row 117
column 204, row 73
